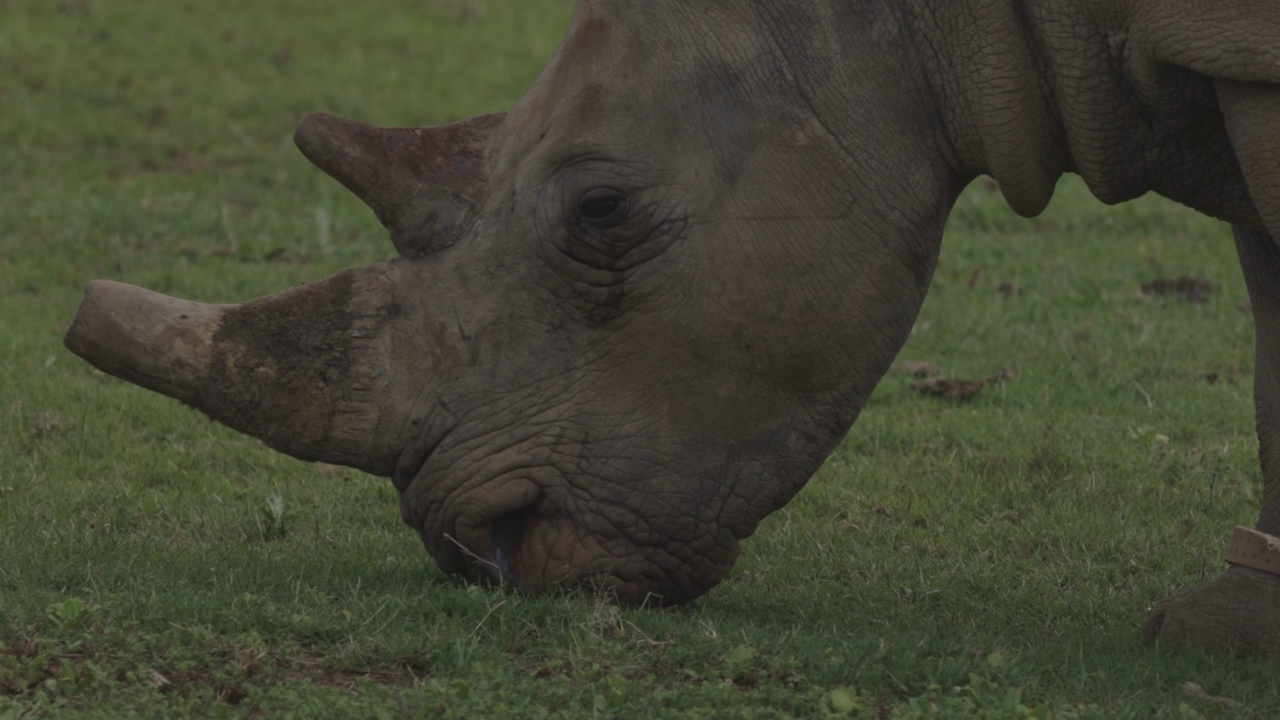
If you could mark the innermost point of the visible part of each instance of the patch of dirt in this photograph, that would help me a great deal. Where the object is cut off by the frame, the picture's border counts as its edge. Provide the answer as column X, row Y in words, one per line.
column 227, row 675
column 950, row 388
column 1195, row 290
column 959, row 390
column 405, row 672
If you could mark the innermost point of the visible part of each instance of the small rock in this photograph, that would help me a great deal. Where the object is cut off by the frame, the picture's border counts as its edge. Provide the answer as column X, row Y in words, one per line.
column 158, row 680
column 1195, row 692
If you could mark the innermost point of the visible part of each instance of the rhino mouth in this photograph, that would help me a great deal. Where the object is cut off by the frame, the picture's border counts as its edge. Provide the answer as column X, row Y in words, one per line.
column 513, row 554
column 543, row 539
column 498, row 566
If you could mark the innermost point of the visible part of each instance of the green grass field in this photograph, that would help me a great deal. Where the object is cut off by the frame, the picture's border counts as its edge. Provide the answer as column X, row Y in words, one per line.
column 993, row 558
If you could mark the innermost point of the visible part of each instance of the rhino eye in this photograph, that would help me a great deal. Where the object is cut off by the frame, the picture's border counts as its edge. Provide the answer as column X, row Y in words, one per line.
column 603, row 208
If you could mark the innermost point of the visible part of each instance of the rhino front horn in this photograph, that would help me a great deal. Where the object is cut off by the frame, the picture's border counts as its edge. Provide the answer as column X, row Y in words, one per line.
column 302, row 370
column 424, row 184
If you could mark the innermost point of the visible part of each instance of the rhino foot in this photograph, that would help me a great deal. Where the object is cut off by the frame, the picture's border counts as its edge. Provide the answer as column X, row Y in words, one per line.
column 1237, row 610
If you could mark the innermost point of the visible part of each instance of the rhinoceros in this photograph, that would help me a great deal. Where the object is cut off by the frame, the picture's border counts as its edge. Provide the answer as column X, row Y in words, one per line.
column 630, row 318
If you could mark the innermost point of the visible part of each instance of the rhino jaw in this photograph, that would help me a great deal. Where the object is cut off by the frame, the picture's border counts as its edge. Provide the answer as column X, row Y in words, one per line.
column 303, row 370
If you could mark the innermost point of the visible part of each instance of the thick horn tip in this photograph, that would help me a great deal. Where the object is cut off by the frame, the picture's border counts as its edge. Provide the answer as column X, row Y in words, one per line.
column 147, row 338
column 94, row 316
column 314, row 135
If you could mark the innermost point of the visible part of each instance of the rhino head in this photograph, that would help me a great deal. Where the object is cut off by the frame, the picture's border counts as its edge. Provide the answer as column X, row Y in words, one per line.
column 628, row 319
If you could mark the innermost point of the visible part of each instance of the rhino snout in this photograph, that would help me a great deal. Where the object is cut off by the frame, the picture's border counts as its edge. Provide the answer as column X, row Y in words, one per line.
column 541, row 534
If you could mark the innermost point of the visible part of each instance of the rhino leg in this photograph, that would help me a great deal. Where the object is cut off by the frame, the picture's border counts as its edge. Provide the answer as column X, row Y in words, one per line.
column 1241, row 607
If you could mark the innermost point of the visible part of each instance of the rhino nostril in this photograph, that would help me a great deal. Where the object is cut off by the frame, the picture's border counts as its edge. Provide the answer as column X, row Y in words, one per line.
column 507, row 531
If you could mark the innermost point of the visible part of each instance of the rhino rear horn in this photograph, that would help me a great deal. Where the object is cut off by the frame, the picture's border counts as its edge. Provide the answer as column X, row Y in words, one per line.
column 424, row 184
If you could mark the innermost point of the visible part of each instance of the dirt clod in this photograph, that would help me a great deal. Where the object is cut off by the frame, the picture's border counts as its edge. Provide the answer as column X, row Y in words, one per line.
column 1194, row 290
column 1004, row 374
column 957, row 389
column 918, row 368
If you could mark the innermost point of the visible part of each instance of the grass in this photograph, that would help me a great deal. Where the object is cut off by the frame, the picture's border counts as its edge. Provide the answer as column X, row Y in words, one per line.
column 951, row 560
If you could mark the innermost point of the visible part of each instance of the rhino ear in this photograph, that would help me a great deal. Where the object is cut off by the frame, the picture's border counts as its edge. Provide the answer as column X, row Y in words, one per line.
column 424, row 184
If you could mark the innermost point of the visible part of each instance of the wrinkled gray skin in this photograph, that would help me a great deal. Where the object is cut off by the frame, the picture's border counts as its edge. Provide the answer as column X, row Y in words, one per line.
column 632, row 317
